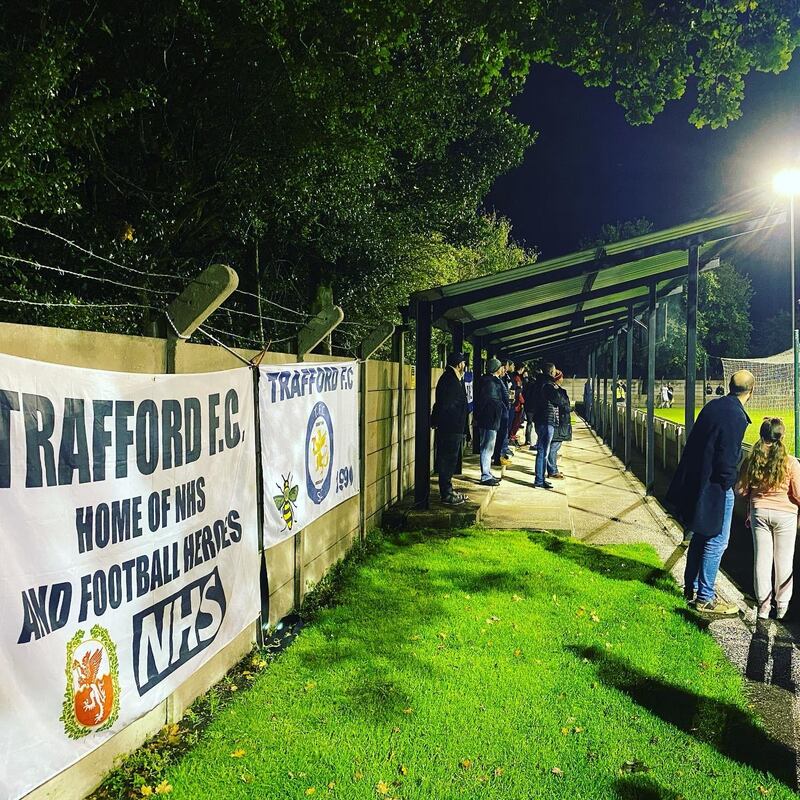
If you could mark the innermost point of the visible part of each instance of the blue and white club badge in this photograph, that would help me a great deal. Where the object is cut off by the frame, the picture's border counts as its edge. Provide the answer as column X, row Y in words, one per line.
column 319, row 453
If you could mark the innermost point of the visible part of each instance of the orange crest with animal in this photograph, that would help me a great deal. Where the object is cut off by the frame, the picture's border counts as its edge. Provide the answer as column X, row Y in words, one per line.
column 93, row 688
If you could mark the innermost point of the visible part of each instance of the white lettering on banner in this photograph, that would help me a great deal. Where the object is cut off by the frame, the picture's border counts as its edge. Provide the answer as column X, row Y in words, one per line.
column 128, row 523
column 309, row 443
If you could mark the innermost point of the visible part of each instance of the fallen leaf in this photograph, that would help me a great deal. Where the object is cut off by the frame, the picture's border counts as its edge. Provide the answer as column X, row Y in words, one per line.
column 358, row 775
column 403, row 770
column 332, row 785
column 564, row 731
column 146, row 791
column 164, row 788
column 442, row 635
column 416, row 637
column 408, row 710
column 234, row 687
column 581, row 612
column 311, row 790
column 246, row 777
column 238, row 753
column 556, row 771
column 498, row 771
column 483, row 779
column 466, row 763
column 634, row 765
column 762, row 790
column 516, row 598
column 381, row 787
column 310, row 685
column 517, row 653
column 577, row 729
column 594, row 617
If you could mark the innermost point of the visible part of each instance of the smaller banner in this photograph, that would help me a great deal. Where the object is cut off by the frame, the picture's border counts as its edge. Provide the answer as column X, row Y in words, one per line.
column 469, row 388
column 309, row 443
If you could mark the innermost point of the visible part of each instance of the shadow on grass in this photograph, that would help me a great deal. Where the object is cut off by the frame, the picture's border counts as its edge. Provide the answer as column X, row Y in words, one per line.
column 605, row 564
column 642, row 787
column 721, row 725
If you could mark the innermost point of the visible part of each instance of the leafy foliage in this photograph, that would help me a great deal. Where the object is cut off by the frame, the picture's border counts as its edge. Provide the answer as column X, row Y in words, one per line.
column 314, row 143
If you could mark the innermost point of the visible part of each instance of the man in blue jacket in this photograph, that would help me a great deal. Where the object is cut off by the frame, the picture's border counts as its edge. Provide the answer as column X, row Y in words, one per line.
column 701, row 492
column 490, row 416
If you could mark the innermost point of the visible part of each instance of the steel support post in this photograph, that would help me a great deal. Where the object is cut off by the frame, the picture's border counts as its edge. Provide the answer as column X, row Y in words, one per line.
column 691, row 337
column 614, row 380
column 477, row 374
column 794, row 212
column 422, row 432
column 457, row 332
column 629, row 388
column 650, row 467
column 605, row 393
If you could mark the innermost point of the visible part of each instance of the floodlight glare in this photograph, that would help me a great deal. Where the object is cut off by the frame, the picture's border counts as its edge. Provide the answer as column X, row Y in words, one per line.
column 787, row 182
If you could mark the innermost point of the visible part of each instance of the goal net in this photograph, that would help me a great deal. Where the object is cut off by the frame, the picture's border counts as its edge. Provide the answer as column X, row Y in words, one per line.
column 774, row 378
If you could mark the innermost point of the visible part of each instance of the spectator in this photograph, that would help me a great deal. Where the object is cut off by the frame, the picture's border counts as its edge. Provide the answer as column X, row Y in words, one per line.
column 518, row 409
column 531, row 399
column 490, row 411
column 588, row 398
column 670, row 395
column 502, row 451
column 770, row 479
column 449, row 417
column 620, row 392
column 546, row 417
column 563, row 431
column 701, row 492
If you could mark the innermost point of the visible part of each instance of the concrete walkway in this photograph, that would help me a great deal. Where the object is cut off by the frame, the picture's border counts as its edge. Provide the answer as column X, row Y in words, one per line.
column 599, row 503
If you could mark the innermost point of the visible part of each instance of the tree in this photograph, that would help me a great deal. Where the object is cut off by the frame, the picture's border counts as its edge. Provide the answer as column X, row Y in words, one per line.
column 315, row 144
column 773, row 335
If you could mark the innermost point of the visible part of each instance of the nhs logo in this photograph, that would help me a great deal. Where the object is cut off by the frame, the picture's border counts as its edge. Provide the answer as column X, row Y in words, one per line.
column 176, row 629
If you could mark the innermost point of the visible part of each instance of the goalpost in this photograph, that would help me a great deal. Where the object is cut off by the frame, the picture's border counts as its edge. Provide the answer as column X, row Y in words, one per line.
column 774, row 379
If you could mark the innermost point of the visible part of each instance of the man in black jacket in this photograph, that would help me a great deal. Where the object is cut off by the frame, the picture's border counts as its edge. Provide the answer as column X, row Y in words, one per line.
column 449, row 417
column 490, row 411
column 701, row 492
column 545, row 416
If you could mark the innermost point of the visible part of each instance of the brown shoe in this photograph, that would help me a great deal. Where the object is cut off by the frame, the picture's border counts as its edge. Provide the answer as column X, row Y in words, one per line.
column 559, row 476
column 717, row 608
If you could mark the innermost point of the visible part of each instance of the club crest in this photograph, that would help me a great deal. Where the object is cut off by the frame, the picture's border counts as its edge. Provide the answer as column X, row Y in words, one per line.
column 91, row 699
column 319, row 453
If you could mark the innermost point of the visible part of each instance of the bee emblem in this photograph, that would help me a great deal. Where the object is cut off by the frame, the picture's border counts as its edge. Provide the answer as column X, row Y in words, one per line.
column 286, row 501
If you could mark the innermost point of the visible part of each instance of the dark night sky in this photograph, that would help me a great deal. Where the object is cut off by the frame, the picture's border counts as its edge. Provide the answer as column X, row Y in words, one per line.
column 589, row 167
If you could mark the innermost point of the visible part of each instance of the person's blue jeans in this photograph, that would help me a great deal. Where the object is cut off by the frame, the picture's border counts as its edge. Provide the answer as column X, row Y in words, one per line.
column 704, row 555
column 552, row 458
column 544, row 435
column 488, row 438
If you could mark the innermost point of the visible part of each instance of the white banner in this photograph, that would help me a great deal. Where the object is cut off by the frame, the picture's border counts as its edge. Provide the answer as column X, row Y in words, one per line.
column 129, row 549
column 309, row 443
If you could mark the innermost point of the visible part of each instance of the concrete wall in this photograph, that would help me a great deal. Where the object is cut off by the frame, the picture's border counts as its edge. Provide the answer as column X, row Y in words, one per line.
column 318, row 547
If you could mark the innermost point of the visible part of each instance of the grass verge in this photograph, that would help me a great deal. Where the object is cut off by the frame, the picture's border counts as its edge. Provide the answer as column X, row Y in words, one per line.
column 493, row 665
column 676, row 414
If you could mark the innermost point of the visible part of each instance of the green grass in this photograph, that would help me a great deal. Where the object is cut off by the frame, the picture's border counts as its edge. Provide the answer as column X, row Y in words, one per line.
column 492, row 665
column 676, row 414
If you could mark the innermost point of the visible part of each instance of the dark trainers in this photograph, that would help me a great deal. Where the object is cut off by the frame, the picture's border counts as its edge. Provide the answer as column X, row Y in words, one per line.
column 454, row 499
column 545, row 485
column 717, row 608
column 491, row 482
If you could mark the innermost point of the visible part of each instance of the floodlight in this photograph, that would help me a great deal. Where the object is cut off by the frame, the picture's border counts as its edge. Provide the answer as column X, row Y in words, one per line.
column 787, row 182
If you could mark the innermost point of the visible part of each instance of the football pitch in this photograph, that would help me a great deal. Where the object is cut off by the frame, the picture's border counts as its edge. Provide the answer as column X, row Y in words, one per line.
column 676, row 414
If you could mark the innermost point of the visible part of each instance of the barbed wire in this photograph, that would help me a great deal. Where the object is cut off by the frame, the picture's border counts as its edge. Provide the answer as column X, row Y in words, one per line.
column 89, row 252
column 135, row 271
column 54, row 304
column 83, row 275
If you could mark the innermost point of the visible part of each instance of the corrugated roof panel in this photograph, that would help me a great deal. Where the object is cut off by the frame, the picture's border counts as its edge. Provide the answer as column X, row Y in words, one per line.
column 656, row 237
column 532, row 319
column 564, row 289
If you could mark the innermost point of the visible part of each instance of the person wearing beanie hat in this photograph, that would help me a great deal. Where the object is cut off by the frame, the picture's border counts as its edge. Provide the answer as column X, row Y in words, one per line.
column 546, row 418
column 449, row 417
column 563, row 430
column 490, row 415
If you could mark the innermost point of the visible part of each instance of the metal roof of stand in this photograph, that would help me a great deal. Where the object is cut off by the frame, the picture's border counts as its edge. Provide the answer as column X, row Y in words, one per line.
column 511, row 310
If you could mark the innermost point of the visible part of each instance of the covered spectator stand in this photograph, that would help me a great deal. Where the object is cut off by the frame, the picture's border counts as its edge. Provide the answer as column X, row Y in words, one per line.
column 587, row 298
